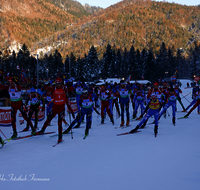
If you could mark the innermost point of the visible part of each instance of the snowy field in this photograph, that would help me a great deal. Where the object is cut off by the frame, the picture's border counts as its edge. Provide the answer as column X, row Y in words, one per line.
column 104, row 161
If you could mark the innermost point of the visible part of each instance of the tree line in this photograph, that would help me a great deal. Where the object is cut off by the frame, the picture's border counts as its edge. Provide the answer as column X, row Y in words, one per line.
column 115, row 63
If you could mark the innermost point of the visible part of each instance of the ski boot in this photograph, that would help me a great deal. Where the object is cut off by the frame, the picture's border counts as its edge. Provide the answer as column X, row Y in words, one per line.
column 33, row 131
column 2, row 142
column 78, row 125
column 122, row 123
column 134, row 116
column 41, row 132
column 86, row 131
column 112, row 120
column 185, row 116
column 141, row 116
column 102, row 120
column 127, row 122
column 14, row 136
column 174, row 121
column 135, row 130
column 59, row 138
column 156, row 130
column 165, row 114
column 67, row 131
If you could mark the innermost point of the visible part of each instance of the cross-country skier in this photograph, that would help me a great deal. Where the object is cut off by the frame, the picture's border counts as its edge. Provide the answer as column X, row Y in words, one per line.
column 115, row 98
column 178, row 91
column 34, row 99
column 87, row 106
column 158, row 92
column 171, row 101
column 124, row 102
column 153, row 109
column 17, row 104
column 133, row 93
column 104, row 96
column 78, row 88
column 59, row 100
column 139, row 101
column 195, row 98
column 195, row 105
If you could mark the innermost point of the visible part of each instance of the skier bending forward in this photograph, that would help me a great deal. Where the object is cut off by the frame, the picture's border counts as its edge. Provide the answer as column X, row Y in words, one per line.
column 153, row 106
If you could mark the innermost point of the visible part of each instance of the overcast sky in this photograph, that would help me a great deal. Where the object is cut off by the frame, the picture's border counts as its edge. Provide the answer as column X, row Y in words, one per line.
column 107, row 3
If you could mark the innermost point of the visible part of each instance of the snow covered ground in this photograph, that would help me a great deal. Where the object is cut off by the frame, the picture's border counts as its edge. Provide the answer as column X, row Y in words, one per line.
column 104, row 161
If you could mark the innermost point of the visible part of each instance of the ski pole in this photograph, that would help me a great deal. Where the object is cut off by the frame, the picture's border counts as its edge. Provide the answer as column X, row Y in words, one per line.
column 70, row 124
column 186, row 99
column 4, row 135
column 186, row 95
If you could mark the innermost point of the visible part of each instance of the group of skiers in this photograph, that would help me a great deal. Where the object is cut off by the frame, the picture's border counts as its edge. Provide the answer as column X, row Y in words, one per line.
column 153, row 101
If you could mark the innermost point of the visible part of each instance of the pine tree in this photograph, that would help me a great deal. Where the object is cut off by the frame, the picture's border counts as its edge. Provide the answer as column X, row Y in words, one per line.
column 143, row 63
column 113, row 71
column 72, row 66
column 118, row 63
column 125, row 64
column 132, row 66
column 107, row 59
column 138, row 64
column 92, row 64
column 150, row 67
column 162, row 60
column 194, row 61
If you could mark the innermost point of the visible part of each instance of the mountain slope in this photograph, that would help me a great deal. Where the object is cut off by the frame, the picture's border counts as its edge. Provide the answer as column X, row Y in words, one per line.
column 73, row 7
column 27, row 21
column 142, row 24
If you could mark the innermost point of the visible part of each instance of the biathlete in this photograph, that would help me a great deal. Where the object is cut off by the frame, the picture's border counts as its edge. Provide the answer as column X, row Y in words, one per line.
column 34, row 99
column 153, row 109
column 197, row 94
column 87, row 106
column 59, row 100
column 124, row 103
column 17, row 104
column 171, row 101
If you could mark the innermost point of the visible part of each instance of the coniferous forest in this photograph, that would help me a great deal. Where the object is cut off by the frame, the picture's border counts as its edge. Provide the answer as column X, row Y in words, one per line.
column 114, row 63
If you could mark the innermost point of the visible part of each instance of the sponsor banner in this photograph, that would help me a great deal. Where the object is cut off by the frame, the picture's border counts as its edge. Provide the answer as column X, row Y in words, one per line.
column 5, row 116
column 73, row 105
column 196, row 79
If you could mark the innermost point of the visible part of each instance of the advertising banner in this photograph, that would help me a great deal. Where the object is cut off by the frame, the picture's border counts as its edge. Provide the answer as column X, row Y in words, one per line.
column 5, row 116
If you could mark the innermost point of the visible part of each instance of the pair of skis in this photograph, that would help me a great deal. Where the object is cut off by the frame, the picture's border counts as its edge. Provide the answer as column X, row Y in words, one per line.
column 27, row 136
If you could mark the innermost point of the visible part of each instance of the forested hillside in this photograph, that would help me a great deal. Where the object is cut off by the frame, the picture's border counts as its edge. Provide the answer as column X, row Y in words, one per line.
column 144, row 24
